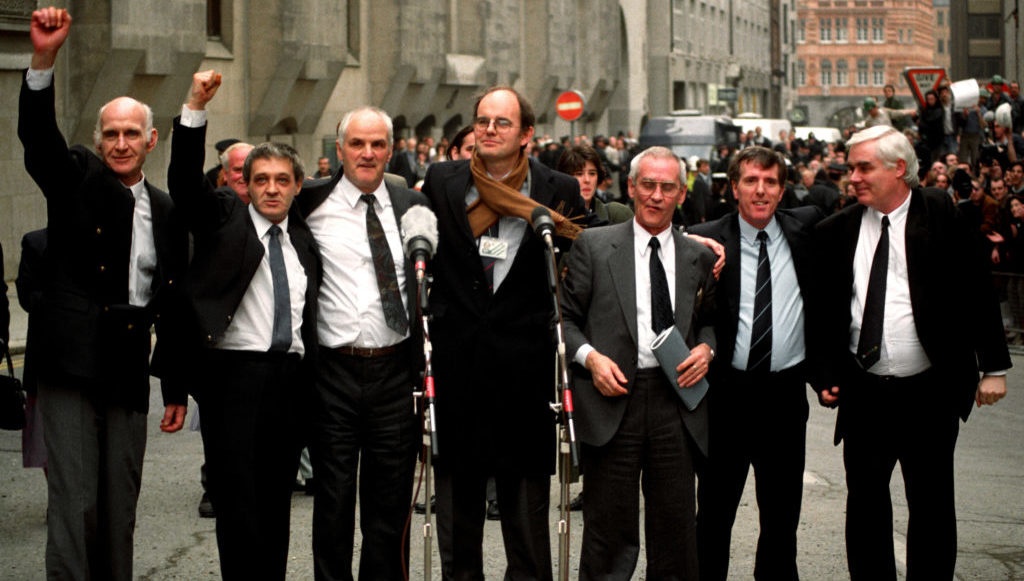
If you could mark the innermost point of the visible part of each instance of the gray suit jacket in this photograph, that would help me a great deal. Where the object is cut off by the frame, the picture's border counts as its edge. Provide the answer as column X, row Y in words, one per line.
column 599, row 306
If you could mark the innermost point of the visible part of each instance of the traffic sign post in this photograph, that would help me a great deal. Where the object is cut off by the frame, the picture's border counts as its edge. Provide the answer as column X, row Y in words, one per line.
column 570, row 106
column 923, row 79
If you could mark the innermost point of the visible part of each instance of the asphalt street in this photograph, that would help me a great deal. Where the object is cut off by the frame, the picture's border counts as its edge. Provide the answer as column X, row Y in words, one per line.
column 172, row 542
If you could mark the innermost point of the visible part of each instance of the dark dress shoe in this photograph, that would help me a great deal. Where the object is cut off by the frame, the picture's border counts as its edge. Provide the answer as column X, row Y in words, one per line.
column 492, row 510
column 206, row 507
column 421, row 507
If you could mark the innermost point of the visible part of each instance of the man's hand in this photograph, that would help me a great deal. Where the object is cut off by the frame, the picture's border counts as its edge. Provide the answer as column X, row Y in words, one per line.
column 694, row 367
column 715, row 247
column 204, row 87
column 608, row 378
column 995, row 255
column 48, row 31
column 174, row 417
column 991, row 389
column 829, row 397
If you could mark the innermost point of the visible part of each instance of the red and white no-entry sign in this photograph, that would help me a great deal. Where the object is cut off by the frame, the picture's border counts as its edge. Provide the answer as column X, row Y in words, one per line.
column 569, row 105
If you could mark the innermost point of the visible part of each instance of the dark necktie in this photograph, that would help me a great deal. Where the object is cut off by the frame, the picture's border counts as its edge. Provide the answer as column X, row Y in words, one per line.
column 488, row 261
column 759, row 357
column 384, row 265
column 661, row 300
column 869, row 348
column 281, row 337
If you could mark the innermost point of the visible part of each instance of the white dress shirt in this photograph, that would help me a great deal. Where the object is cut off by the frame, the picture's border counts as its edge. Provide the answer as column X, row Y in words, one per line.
column 642, row 275
column 788, row 346
column 351, row 312
column 902, row 354
column 252, row 325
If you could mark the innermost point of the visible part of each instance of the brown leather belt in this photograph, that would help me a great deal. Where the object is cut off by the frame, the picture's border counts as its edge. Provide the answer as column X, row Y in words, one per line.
column 368, row 352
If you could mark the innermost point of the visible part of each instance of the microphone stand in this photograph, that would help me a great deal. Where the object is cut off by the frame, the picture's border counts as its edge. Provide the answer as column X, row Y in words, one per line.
column 430, row 448
column 568, row 451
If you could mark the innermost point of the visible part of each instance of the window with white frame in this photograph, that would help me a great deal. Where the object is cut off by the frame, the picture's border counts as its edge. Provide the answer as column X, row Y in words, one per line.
column 862, row 30
column 878, row 73
column 842, row 74
column 825, row 30
column 841, row 35
column 877, row 30
column 862, row 72
column 826, row 72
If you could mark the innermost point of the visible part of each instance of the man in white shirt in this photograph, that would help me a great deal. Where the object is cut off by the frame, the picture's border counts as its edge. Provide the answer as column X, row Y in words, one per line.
column 367, row 334
column 902, row 364
column 115, row 247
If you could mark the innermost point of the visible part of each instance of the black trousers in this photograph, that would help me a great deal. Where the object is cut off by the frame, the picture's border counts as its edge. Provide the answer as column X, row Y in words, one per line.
column 894, row 420
column 363, row 424
column 757, row 420
column 523, row 501
column 253, row 411
column 653, row 451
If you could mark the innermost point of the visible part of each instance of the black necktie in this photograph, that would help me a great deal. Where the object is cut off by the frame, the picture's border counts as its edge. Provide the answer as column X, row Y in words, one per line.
column 384, row 265
column 869, row 348
column 661, row 300
column 488, row 261
column 759, row 357
column 281, row 337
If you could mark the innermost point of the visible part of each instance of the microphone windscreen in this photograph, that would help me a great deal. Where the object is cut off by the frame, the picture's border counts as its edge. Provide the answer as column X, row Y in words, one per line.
column 541, row 219
column 419, row 222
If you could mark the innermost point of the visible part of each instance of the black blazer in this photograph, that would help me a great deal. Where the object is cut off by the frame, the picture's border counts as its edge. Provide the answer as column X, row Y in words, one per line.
column 226, row 250
column 797, row 226
column 956, row 313
column 88, row 330
column 494, row 353
column 32, row 271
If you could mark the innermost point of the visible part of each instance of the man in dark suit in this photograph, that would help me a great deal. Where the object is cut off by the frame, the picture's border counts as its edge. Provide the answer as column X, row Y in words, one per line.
column 493, row 348
column 114, row 247
column 250, row 296
column 367, row 331
column 757, row 381
column 900, row 363
column 626, row 283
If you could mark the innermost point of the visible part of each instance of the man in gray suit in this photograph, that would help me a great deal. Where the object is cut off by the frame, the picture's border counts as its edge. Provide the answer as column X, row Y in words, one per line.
column 625, row 284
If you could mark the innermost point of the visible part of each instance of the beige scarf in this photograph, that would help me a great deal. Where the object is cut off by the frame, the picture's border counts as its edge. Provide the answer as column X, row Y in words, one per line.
column 502, row 198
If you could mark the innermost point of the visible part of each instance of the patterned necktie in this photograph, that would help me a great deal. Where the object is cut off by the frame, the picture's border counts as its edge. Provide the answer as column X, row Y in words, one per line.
column 281, row 337
column 759, row 357
column 488, row 261
column 869, row 348
column 384, row 265
column 661, row 300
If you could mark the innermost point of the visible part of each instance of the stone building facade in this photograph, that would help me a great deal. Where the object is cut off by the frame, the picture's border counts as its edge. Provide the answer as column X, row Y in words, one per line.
column 291, row 68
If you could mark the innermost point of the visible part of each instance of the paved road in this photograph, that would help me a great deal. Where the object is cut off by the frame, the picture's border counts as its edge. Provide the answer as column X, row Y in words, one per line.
column 172, row 542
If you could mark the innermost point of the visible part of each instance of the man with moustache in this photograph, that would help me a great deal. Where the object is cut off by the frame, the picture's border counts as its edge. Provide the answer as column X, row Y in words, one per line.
column 493, row 348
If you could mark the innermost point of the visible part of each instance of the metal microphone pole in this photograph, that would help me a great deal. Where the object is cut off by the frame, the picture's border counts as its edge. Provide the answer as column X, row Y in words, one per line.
column 430, row 448
column 568, row 452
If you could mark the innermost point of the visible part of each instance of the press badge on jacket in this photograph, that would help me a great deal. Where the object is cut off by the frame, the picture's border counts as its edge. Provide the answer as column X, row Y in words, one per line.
column 491, row 247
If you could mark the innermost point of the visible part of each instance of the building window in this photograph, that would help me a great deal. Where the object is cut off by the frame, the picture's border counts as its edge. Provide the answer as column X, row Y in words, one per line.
column 877, row 30
column 941, row 48
column 862, row 73
column 801, row 30
column 826, row 72
column 939, row 17
column 213, row 20
column 910, row 36
column 842, row 74
column 841, row 30
column 801, row 73
column 825, row 30
column 900, row 36
column 862, row 30
column 878, row 74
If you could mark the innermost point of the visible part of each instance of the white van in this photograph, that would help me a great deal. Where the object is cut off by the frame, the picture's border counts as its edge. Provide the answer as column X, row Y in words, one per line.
column 769, row 127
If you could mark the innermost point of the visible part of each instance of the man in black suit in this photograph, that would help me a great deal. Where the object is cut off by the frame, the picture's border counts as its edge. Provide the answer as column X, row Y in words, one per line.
column 114, row 247
column 363, row 420
column 757, row 381
column 900, row 363
column 627, row 283
column 493, row 348
column 250, row 296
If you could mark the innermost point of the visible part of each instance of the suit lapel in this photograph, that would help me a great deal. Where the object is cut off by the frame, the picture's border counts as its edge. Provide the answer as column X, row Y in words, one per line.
column 456, row 186
column 916, row 239
column 799, row 247
column 731, row 274
column 622, row 269
column 686, row 292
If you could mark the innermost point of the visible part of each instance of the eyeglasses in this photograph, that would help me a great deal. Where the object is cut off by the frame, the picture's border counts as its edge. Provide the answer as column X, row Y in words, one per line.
column 500, row 123
column 648, row 186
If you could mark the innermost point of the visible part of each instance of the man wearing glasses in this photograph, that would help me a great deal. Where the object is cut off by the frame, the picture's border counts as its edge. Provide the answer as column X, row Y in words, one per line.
column 493, row 347
column 627, row 283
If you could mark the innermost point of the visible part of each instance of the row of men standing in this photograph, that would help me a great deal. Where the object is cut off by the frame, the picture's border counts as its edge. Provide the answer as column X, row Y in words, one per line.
column 316, row 296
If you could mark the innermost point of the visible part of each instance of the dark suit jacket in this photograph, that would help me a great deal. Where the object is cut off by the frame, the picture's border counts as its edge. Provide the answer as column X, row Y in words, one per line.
column 32, row 272
column 599, row 307
column 955, row 310
column 88, row 330
column 401, row 200
column 403, row 165
column 494, row 352
column 227, row 252
column 798, row 227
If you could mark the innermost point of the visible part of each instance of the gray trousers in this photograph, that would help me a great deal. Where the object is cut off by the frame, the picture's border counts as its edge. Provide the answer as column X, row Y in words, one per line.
column 95, row 454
